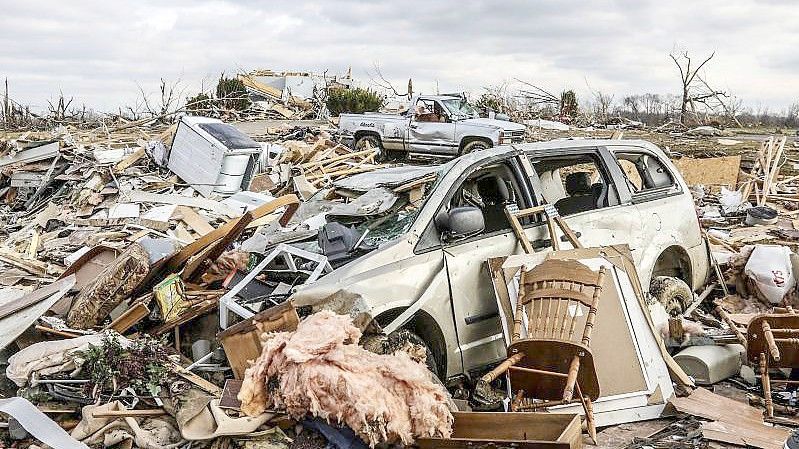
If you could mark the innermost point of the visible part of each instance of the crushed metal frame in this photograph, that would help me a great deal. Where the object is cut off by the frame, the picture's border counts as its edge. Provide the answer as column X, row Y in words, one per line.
column 228, row 301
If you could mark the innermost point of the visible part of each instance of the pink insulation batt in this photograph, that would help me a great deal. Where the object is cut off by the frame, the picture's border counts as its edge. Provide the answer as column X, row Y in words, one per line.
column 320, row 370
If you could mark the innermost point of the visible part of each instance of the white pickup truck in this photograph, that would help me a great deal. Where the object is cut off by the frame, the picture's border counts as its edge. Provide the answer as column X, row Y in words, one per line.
column 434, row 125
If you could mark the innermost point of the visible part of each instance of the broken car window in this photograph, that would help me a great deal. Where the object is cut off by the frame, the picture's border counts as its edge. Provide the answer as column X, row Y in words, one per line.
column 429, row 111
column 460, row 108
column 489, row 189
column 644, row 172
column 574, row 183
column 400, row 219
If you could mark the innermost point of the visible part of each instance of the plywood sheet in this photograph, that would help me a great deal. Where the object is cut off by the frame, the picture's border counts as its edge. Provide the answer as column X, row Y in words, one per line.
column 714, row 171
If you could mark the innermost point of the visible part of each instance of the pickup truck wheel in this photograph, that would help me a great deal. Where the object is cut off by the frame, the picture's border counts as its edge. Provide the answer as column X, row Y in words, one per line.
column 672, row 292
column 368, row 141
column 475, row 145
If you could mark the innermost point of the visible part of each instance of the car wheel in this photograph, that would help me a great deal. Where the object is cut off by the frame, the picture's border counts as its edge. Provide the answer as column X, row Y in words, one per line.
column 475, row 145
column 370, row 141
column 402, row 340
column 672, row 292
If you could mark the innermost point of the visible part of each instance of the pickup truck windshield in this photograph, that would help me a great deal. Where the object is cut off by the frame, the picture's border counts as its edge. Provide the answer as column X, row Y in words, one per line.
column 458, row 107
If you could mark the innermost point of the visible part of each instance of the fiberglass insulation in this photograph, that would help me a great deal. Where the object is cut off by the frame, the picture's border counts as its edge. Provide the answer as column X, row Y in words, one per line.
column 320, row 370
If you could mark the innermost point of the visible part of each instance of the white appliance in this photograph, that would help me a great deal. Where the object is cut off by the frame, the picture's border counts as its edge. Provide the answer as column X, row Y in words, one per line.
column 213, row 157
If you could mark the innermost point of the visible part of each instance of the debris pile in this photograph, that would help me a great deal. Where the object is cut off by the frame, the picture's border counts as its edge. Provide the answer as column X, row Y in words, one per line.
column 165, row 286
column 120, row 251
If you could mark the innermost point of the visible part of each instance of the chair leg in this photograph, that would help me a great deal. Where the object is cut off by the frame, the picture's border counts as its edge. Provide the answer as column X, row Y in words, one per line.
column 571, row 379
column 765, row 380
column 590, row 424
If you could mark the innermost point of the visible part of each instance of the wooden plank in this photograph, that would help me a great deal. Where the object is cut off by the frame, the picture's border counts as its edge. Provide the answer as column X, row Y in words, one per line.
column 519, row 231
column 197, row 380
column 33, row 248
column 30, row 265
column 50, row 330
column 290, row 201
column 130, row 160
column 34, row 297
column 131, row 316
column 195, row 268
column 567, row 231
column 734, row 422
column 194, row 221
column 129, row 413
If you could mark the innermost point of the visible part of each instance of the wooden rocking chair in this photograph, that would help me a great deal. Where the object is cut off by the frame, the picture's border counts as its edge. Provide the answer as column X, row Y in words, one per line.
column 772, row 341
column 549, row 363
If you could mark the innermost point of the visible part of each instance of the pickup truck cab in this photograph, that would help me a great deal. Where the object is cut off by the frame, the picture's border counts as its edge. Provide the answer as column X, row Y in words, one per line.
column 434, row 261
column 433, row 125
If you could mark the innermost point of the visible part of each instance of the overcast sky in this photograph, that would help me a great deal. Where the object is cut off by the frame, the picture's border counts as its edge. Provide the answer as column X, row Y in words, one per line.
column 100, row 52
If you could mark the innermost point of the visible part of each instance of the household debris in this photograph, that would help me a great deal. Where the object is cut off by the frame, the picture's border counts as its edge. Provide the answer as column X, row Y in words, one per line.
column 135, row 297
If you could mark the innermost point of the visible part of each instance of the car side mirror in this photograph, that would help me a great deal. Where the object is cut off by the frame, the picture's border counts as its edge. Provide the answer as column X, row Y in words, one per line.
column 460, row 223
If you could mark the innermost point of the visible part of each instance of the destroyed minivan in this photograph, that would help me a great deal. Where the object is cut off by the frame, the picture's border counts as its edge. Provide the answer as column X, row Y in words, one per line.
column 428, row 275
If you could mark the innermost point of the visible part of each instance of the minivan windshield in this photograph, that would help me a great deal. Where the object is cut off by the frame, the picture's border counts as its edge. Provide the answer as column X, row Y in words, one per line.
column 388, row 227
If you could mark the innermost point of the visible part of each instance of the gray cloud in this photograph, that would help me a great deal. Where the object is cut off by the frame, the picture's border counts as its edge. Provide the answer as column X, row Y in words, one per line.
column 100, row 52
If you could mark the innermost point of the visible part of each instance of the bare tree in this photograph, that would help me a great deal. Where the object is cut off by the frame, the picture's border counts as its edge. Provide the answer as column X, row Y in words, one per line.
column 58, row 109
column 380, row 81
column 694, row 88
column 537, row 96
column 603, row 103
column 168, row 101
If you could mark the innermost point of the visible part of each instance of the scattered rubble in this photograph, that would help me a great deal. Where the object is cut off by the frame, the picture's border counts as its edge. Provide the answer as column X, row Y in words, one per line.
column 157, row 291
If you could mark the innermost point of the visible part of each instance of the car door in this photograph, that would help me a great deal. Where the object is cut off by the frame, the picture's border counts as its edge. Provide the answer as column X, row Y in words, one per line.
column 667, row 212
column 475, row 309
column 600, row 213
column 431, row 130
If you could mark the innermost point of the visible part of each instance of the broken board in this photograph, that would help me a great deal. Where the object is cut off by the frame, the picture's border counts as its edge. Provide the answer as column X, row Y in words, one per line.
column 713, row 171
column 732, row 421
column 242, row 341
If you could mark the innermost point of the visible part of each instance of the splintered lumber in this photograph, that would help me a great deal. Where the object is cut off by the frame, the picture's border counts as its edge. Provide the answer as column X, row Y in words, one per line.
column 194, row 220
column 732, row 421
column 331, row 162
column 50, row 330
column 130, row 160
column 35, row 296
column 291, row 202
column 32, row 266
column 129, row 319
column 129, row 413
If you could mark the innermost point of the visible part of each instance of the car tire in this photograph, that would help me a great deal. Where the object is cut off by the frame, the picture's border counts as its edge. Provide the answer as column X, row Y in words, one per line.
column 429, row 358
column 370, row 141
column 389, row 344
column 672, row 292
column 475, row 145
